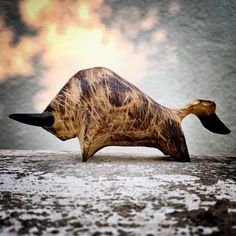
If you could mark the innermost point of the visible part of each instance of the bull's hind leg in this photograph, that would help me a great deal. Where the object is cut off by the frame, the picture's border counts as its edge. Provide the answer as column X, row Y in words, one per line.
column 178, row 156
column 177, row 149
column 182, row 156
column 174, row 143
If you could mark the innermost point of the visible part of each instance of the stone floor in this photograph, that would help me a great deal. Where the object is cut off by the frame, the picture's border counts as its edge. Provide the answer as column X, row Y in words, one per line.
column 54, row 193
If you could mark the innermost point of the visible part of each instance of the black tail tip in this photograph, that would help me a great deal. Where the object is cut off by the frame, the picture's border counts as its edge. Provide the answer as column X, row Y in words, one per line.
column 214, row 124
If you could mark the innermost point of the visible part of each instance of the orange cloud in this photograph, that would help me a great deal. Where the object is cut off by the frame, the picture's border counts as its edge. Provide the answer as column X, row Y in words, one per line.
column 72, row 36
column 75, row 39
column 15, row 59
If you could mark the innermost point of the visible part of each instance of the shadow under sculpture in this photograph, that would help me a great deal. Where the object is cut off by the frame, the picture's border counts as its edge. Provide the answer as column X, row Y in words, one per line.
column 102, row 109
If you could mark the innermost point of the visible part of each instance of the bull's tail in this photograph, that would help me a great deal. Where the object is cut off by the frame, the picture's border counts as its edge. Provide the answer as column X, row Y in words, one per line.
column 205, row 111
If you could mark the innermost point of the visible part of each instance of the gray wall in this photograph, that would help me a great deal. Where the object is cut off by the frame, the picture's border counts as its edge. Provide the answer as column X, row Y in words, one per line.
column 175, row 51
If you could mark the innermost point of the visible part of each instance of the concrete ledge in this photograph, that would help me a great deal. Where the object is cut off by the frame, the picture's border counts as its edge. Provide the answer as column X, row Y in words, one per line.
column 51, row 192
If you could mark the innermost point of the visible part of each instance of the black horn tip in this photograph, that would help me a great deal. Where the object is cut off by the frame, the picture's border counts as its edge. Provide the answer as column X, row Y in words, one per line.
column 13, row 116
column 44, row 119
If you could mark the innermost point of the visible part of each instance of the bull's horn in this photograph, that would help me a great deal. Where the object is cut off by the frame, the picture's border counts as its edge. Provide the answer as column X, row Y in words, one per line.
column 44, row 119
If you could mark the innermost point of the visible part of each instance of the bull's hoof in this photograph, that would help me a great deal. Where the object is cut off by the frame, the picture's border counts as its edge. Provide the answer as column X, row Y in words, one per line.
column 181, row 158
column 84, row 159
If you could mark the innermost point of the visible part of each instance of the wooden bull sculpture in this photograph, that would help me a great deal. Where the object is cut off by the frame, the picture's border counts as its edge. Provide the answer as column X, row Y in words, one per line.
column 102, row 109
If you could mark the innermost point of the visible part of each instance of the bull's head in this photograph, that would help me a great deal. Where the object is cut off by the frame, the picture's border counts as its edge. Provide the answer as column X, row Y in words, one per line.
column 49, row 121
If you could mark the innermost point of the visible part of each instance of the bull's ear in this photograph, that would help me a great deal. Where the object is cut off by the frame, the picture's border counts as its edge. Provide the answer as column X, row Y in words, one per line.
column 44, row 119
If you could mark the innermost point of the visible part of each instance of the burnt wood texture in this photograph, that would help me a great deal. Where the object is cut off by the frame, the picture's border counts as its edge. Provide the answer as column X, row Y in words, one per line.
column 102, row 109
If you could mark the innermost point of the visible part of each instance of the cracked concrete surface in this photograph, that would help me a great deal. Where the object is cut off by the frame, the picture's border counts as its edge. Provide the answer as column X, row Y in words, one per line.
column 54, row 193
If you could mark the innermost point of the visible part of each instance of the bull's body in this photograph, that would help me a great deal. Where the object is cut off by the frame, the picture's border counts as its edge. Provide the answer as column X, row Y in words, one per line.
column 102, row 109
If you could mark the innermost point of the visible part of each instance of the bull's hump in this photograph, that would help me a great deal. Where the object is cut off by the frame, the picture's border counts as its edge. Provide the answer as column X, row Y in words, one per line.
column 104, row 77
column 102, row 82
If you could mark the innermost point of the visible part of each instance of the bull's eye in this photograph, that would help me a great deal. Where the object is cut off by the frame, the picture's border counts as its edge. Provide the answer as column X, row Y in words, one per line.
column 207, row 103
